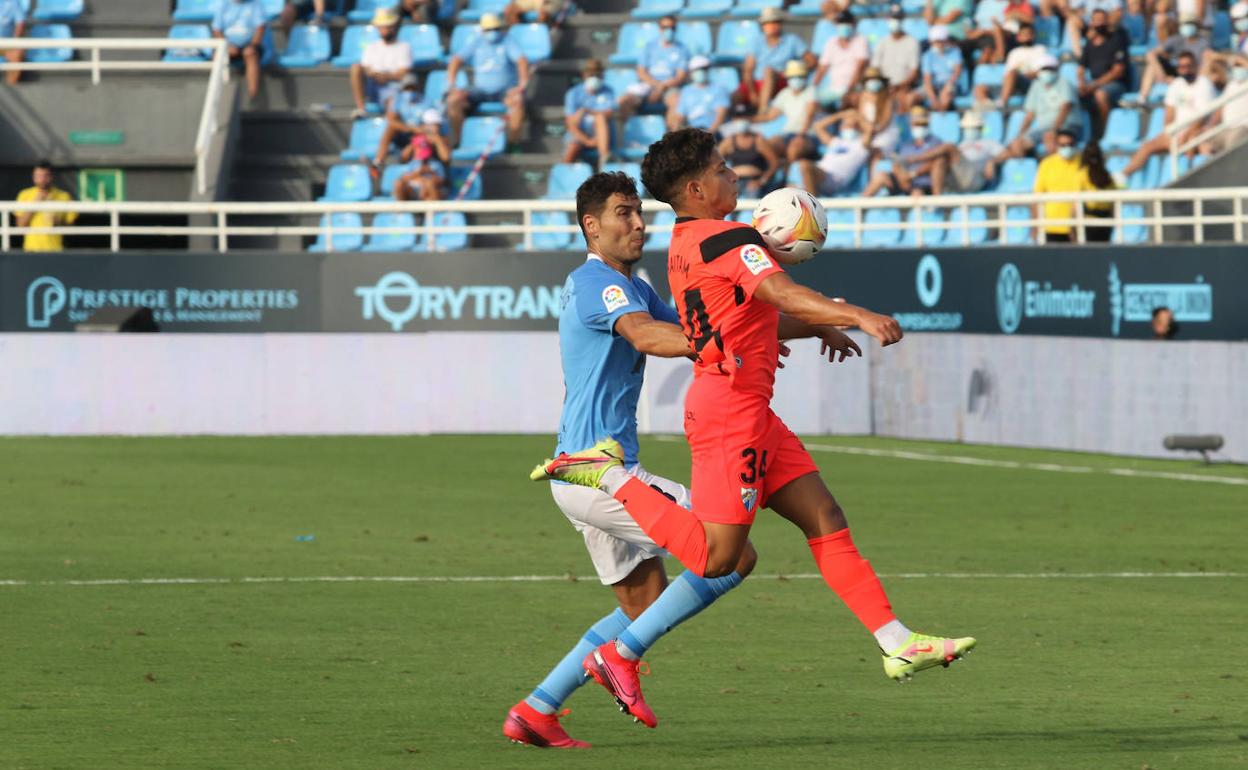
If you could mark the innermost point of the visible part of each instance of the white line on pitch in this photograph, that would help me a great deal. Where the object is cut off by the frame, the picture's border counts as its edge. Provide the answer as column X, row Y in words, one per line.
column 588, row 578
column 900, row 454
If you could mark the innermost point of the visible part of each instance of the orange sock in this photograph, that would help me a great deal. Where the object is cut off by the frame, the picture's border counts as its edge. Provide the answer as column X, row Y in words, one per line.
column 667, row 524
column 851, row 576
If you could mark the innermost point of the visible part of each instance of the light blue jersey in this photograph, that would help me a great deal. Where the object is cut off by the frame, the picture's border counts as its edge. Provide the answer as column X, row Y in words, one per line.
column 602, row 373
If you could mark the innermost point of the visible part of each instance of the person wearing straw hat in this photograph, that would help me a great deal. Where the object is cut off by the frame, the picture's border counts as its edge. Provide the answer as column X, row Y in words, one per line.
column 796, row 102
column 761, row 72
column 915, row 170
column 375, row 78
column 12, row 25
column 500, row 73
column 588, row 109
column 700, row 103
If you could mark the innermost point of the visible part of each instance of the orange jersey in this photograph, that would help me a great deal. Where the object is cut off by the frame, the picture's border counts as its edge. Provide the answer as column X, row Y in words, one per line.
column 713, row 268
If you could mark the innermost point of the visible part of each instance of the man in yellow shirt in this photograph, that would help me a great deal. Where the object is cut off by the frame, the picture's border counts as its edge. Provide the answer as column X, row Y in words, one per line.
column 1060, row 172
column 44, row 190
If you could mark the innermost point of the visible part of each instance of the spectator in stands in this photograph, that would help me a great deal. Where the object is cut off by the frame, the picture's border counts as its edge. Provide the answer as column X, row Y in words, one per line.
column 546, row 11
column 403, row 117
column 420, row 11
column 661, row 71
column 897, row 56
column 1164, row 327
column 297, row 9
column 1078, row 13
column 1188, row 96
column 965, row 165
column 1239, row 23
column 844, row 156
column 986, row 34
column 44, row 190
column 762, row 73
column 588, row 110
column 241, row 23
column 376, row 76
column 12, row 24
column 500, row 73
column 796, row 102
column 842, row 60
column 1103, row 70
column 942, row 72
column 752, row 159
column 428, row 152
column 700, row 103
column 1235, row 112
column 1161, row 63
column 875, row 110
column 916, row 169
column 1097, row 178
column 1021, row 65
column 1051, row 104
column 1060, row 172
column 1200, row 11
column 950, row 14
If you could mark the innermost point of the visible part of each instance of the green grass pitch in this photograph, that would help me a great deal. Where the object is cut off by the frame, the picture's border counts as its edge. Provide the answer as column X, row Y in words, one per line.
column 1084, row 668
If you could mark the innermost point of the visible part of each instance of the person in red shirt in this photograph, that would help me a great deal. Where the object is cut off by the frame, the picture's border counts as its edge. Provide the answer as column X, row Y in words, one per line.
column 735, row 302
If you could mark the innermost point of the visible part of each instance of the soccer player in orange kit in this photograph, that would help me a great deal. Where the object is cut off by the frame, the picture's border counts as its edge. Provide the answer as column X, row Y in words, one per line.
column 735, row 303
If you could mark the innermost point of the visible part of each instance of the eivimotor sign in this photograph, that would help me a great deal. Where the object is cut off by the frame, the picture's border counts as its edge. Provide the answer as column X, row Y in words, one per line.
column 1071, row 291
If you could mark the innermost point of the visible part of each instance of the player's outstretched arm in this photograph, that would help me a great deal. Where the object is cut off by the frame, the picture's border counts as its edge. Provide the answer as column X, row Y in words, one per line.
column 653, row 337
column 834, row 340
column 811, row 307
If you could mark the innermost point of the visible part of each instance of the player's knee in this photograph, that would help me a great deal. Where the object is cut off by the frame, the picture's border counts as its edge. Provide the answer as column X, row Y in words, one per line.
column 748, row 559
column 717, row 567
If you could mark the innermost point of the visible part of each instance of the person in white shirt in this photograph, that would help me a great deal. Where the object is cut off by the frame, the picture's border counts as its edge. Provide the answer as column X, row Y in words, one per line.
column 796, row 102
column 376, row 76
column 844, row 157
column 1021, row 65
column 1188, row 96
column 897, row 55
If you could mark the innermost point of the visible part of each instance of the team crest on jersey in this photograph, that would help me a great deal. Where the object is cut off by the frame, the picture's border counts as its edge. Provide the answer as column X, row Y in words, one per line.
column 749, row 498
column 614, row 298
column 755, row 258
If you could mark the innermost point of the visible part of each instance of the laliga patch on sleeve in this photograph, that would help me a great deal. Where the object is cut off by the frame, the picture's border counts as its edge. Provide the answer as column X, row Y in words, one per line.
column 755, row 258
column 614, row 298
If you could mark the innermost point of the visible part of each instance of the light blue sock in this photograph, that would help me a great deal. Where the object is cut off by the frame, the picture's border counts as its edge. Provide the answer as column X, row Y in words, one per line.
column 568, row 675
column 685, row 597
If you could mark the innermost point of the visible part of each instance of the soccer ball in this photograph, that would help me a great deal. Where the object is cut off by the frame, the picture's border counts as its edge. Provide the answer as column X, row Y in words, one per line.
column 793, row 223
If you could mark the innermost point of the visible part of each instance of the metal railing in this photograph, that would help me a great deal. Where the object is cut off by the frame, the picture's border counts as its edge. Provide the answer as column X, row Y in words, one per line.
column 217, row 67
column 1232, row 93
column 1152, row 210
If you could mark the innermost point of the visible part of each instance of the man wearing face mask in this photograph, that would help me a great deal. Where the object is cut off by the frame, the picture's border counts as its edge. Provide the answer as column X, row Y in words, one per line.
column 1103, row 70
column 1077, row 12
column 1051, row 105
column 897, row 55
column 701, row 103
column 1161, row 63
column 1239, row 22
column 942, row 72
column 1235, row 112
column 842, row 60
column 917, row 169
column 500, row 73
column 403, row 117
column 796, row 102
column 588, row 108
column 761, row 73
column 844, row 156
column 662, row 68
column 1021, row 65
column 1060, row 172
column 966, row 163
column 1187, row 96
column 241, row 23
column 376, row 76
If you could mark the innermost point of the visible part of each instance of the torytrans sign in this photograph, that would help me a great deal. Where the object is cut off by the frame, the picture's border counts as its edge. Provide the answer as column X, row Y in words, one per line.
column 1078, row 291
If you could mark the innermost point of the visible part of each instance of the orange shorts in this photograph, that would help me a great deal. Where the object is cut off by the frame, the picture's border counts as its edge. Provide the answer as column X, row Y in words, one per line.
column 742, row 452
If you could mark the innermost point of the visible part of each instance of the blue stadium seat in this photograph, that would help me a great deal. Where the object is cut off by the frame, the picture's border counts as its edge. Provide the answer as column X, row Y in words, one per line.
column 308, row 46
column 1156, row 122
column 480, row 134
column 926, row 218
column 1014, row 125
column 840, row 226
column 388, row 177
column 706, row 9
column 634, row 36
column 449, row 241
column 551, row 241
column 639, row 133
column 1158, row 94
column 1048, row 32
column 1221, row 30
column 533, row 39
column 347, row 183
column 806, row 8
column 189, row 32
column 1017, row 236
column 824, row 30
column 1122, row 132
column 659, row 240
column 364, row 9
column 460, row 35
column 342, row 241
column 977, row 233
column 630, row 168
column 1069, row 71
column 657, row 9
column 195, row 10
column 945, row 127
column 1137, row 181
column 990, row 76
column 771, row 128
column 750, row 9
column 1167, row 173
column 885, row 237
column 50, row 32
column 1131, row 233
column 459, row 174
column 565, row 178
column 1137, row 33
column 620, row 78
column 874, row 30
column 696, row 35
column 727, row 78
column 365, row 136
column 354, row 40
column 57, row 10
column 478, row 8
column 392, row 238
column 435, row 84
column 1152, row 171
column 425, row 41
column 915, row 28
column 1018, row 175
column 995, row 125
column 735, row 40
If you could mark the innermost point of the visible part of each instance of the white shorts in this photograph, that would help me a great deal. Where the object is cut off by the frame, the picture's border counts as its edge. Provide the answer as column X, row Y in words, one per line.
column 615, row 543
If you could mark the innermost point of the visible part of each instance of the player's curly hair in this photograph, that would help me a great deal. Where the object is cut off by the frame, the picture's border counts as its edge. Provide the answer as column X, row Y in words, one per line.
column 674, row 160
column 592, row 195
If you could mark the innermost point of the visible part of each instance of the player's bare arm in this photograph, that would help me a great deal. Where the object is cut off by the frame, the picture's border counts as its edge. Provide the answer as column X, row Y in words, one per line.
column 653, row 337
column 811, row 307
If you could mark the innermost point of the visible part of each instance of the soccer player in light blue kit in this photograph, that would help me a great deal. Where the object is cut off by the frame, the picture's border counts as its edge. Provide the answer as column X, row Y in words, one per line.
column 610, row 321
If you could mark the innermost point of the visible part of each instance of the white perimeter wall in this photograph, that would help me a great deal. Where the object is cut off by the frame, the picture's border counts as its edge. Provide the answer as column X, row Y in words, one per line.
column 1068, row 393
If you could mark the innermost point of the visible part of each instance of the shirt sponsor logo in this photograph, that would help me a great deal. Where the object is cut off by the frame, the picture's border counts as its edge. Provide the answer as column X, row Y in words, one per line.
column 755, row 258
column 614, row 298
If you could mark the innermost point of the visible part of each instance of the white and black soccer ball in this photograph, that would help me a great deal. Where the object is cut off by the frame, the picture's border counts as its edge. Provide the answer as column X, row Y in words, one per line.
column 793, row 223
